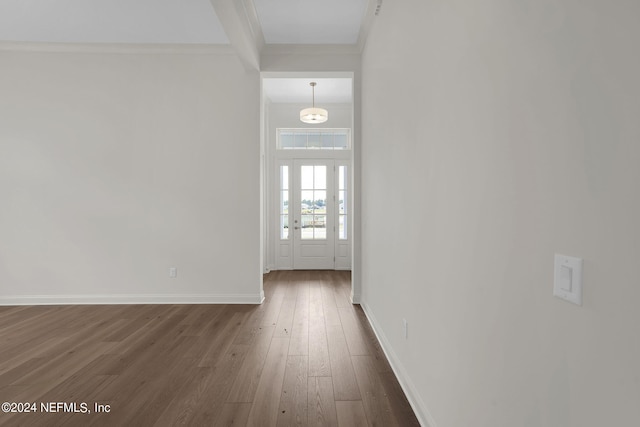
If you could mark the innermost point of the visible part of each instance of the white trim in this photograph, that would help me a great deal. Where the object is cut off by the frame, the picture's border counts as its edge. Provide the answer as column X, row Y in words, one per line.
column 132, row 299
column 355, row 299
column 119, row 48
column 311, row 49
column 254, row 23
column 237, row 26
column 306, row 74
column 419, row 407
column 367, row 23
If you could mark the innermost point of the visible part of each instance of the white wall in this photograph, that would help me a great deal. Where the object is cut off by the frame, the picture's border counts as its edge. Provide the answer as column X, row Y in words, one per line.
column 496, row 134
column 116, row 166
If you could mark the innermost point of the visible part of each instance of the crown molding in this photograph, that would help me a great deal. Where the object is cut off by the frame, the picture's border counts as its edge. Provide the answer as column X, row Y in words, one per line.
column 311, row 49
column 117, row 48
column 373, row 7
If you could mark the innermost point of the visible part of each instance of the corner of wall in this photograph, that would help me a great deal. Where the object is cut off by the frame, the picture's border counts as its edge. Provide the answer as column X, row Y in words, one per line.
column 417, row 404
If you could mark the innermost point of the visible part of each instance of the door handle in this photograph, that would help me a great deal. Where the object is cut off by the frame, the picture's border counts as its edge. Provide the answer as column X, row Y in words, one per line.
column 296, row 228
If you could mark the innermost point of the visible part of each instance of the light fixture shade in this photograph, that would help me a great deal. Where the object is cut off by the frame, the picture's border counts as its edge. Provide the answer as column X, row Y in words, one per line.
column 314, row 115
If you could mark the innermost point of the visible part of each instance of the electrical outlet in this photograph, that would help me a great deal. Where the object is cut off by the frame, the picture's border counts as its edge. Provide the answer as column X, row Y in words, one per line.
column 405, row 328
column 173, row 272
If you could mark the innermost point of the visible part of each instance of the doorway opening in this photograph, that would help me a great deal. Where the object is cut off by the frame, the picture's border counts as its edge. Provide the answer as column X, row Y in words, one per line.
column 307, row 172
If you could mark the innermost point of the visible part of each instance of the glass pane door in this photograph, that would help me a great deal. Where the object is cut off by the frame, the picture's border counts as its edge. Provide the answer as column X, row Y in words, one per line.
column 313, row 207
column 313, row 202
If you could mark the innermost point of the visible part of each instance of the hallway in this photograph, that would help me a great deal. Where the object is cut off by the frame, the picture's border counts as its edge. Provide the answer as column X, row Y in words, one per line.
column 307, row 356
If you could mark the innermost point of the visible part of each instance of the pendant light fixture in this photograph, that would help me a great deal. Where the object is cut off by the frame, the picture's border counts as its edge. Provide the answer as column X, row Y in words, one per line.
column 313, row 115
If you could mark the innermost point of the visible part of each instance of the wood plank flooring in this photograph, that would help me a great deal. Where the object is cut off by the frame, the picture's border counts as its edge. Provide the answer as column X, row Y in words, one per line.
column 306, row 357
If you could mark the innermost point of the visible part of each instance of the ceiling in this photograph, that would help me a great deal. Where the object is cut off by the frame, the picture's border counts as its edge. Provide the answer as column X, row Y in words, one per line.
column 110, row 21
column 297, row 90
column 310, row 21
column 248, row 26
column 181, row 21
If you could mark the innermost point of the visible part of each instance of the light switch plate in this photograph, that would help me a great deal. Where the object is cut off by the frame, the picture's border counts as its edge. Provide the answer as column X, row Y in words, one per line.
column 567, row 278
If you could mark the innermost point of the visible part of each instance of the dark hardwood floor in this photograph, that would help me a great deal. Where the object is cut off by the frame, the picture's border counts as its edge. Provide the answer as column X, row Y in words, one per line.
column 306, row 357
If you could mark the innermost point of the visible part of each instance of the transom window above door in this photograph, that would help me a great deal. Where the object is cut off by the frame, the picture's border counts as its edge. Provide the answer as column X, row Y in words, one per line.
column 313, row 139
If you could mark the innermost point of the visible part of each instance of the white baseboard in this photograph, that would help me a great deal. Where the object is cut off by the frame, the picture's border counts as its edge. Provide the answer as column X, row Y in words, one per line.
column 132, row 299
column 420, row 409
column 355, row 299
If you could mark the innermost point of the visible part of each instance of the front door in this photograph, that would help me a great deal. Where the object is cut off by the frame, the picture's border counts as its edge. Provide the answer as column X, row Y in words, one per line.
column 313, row 214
